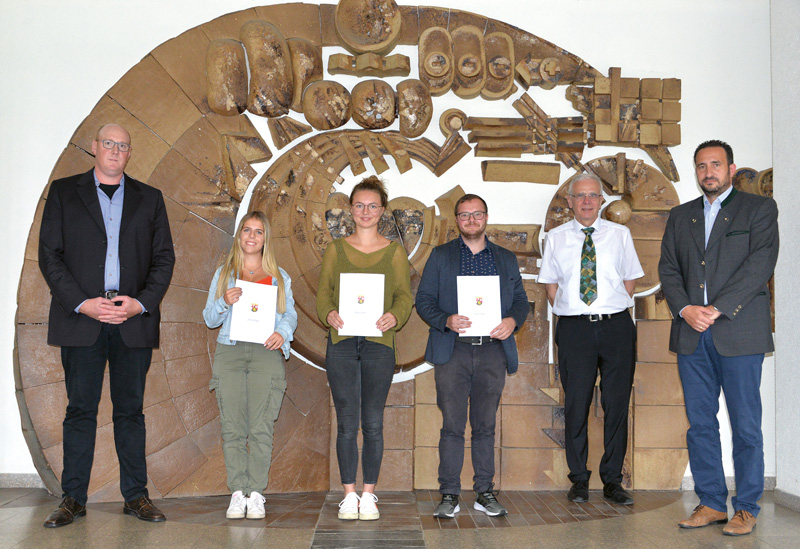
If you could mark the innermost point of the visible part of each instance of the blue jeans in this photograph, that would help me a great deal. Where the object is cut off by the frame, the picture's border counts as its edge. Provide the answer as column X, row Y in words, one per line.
column 84, row 368
column 473, row 378
column 703, row 374
column 360, row 374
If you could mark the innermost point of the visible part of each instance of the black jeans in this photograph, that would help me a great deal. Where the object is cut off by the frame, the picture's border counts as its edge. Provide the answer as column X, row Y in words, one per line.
column 360, row 374
column 84, row 368
column 584, row 348
column 474, row 377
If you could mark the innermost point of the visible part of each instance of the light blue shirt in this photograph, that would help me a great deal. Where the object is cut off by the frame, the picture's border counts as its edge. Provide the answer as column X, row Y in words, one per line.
column 710, row 212
column 217, row 313
column 112, row 216
column 111, row 209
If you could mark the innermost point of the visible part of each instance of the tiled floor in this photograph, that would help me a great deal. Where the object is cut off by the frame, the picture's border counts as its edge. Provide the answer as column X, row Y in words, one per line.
column 536, row 519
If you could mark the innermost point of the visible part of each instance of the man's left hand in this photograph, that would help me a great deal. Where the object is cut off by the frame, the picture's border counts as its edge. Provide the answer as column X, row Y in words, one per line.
column 504, row 329
column 124, row 307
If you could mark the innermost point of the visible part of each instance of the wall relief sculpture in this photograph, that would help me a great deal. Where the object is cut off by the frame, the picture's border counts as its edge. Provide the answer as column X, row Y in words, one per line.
column 188, row 104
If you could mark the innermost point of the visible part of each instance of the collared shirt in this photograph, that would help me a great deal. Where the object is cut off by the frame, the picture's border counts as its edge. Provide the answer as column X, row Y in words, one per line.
column 111, row 209
column 479, row 264
column 112, row 216
column 710, row 212
column 616, row 262
column 711, row 209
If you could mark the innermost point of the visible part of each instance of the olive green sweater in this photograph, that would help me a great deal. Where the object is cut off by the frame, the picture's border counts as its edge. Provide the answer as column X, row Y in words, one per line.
column 391, row 261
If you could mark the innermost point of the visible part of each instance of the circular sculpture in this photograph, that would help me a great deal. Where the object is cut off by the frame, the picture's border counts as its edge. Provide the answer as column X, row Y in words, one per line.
column 618, row 211
column 326, row 104
column 373, row 104
column 414, row 107
column 368, row 25
column 201, row 159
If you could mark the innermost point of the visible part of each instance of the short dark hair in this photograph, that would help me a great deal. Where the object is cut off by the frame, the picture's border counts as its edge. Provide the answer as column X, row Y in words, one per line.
column 715, row 143
column 467, row 198
column 374, row 184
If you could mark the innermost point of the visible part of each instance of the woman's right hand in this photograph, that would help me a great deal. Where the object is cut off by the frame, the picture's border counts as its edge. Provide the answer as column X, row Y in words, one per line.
column 334, row 320
column 232, row 295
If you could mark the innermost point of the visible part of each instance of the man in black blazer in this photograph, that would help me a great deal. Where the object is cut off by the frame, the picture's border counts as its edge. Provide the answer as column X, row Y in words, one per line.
column 469, row 371
column 106, row 253
column 717, row 256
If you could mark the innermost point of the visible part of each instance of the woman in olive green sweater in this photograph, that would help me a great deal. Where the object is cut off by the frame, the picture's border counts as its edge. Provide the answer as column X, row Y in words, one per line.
column 360, row 369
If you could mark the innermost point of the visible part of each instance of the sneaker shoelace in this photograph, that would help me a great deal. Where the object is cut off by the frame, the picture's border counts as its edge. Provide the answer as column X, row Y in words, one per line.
column 489, row 497
column 354, row 495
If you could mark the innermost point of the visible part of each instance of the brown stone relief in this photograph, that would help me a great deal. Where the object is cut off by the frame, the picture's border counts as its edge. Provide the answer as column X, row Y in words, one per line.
column 201, row 161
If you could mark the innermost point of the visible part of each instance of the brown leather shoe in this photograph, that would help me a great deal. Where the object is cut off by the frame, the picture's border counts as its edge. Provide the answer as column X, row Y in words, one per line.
column 67, row 510
column 703, row 516
column 143, row 509
column 741, row 524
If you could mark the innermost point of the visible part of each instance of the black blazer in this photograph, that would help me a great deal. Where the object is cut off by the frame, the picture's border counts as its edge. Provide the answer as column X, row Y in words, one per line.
column 734, row 268
column 437, row 299
column 72, row 247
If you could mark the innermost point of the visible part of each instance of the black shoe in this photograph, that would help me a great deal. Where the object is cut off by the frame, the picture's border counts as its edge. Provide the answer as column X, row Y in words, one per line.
column 616, row 493
column 579, row 493
column 67, row 511
column 143, row 509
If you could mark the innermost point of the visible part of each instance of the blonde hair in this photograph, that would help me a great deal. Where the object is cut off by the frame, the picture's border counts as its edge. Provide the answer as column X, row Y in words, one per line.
column 232, row 265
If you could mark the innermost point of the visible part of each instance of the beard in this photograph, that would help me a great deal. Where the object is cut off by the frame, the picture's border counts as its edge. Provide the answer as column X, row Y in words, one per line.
column 712, row 190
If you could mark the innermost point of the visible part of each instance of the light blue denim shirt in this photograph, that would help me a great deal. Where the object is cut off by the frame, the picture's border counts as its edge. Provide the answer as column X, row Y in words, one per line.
column 218, row 312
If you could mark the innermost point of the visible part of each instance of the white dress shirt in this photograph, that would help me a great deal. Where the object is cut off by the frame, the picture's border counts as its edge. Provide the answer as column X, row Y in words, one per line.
column 616, row 262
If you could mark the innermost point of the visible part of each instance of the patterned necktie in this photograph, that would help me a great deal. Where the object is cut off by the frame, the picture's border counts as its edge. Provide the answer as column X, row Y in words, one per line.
column 588, row 268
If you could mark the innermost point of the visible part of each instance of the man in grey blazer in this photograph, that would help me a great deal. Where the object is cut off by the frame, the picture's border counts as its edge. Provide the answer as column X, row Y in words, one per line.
column 717, row 256
column 470, row 372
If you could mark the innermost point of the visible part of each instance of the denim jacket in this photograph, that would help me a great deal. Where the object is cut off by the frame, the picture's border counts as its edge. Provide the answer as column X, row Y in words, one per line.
column 218, row 312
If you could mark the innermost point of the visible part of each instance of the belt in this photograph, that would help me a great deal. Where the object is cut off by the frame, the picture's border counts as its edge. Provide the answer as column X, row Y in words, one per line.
column 477, row 340
column 597, row 317
column 110, row 294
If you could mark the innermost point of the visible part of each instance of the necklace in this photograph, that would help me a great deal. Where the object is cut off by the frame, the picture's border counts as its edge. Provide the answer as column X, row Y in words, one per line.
column 254, row 271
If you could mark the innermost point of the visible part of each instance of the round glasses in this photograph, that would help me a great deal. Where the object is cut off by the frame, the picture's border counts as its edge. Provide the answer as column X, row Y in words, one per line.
column 371, row 208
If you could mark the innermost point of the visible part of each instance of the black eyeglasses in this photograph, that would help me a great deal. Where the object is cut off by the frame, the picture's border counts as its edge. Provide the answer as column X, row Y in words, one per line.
column 477, row 216
column 109, row 144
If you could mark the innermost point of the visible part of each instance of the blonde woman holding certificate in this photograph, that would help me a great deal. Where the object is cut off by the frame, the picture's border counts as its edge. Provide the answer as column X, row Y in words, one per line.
column 249, row 379
column 360, row 368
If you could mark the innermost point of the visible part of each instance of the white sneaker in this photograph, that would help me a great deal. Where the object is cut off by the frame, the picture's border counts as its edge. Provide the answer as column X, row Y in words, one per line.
column 255, row 506
column 238, row 506
column 348, row 507
column 368, row 510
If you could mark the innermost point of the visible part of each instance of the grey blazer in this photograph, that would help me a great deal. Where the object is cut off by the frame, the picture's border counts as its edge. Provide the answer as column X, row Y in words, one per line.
column 735, row 268
column 437, row 299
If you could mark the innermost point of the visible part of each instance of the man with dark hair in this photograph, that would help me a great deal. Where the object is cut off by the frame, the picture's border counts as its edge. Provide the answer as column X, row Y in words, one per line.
column 469, row 371
column 717, row 256
column 106, row 253
column 589, row 269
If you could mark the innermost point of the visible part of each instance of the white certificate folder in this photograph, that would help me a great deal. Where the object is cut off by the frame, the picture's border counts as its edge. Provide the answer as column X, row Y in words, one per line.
column 253, row 316
column 360, row 303
column 479, row 300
